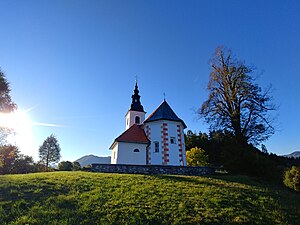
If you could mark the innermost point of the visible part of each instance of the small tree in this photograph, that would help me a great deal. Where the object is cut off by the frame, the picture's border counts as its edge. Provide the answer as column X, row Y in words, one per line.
column 65, row 166
column 49, row 151
column 196, row 157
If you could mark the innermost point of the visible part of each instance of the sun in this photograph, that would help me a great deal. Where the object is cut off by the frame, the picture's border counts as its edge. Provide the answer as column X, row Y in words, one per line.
column 21, row 125
column 18, row 121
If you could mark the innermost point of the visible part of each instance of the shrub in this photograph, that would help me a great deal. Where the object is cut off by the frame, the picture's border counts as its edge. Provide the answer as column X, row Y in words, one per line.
column 65, row 166
column 291, row 178
column 196, row 157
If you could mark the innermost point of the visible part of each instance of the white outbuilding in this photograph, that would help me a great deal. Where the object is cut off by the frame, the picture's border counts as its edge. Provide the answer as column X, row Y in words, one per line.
column 158, row 140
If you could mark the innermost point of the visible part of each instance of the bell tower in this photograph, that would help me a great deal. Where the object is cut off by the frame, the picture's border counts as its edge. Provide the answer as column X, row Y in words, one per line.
column 136, row 113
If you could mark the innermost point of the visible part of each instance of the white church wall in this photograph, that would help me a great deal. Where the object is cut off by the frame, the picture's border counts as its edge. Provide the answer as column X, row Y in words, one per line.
column 114, row 154
column 173, row 147
column 155, row 136
column 174, row 153
column 130, row 118
column 126, row 154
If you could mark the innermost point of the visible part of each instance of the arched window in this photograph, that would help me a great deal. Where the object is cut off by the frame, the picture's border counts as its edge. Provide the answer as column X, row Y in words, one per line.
column 136, row 150
column 156, row 146
column 137, row 120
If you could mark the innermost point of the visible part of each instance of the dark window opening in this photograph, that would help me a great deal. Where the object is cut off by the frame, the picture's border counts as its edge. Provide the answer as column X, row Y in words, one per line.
column 156, row 146
column 173, row 140
column 136, row 150
column 137, row 120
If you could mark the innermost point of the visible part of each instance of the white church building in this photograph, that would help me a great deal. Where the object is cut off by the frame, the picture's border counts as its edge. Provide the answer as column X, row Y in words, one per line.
column 156, row 140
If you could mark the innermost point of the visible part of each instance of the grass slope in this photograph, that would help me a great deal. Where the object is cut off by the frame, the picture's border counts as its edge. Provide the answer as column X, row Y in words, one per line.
column 97, row 198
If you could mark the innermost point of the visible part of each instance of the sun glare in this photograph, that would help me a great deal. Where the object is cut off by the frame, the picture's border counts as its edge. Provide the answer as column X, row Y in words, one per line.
column 18, row 121
column 21, row 124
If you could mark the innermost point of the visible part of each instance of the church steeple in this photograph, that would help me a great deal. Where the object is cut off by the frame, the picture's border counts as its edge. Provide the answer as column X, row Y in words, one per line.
column 136, row 102
column 136, row 113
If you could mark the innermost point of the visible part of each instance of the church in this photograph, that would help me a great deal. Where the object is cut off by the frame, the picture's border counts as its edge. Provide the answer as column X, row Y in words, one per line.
column 156, row 140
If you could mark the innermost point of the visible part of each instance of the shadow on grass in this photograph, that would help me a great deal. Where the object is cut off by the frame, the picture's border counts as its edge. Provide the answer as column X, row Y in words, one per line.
column 253, row 181
column 203, row 180
column 30, row 191
column 220, row 181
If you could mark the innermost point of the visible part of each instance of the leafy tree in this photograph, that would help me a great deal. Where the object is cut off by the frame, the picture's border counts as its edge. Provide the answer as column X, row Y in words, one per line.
column 235, row 102
column 8, row 154
column 76, row 166
column 6, row 105
column 40, row 166
column 24, row 164
column 65, row 166
column 49, row 151
column 196, row 157
column 291, row 178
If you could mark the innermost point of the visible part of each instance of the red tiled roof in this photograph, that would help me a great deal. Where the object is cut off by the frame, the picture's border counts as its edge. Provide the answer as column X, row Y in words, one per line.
column 135, row 134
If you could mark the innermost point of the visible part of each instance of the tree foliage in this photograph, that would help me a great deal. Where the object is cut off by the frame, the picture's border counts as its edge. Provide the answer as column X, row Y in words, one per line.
column 6, row 106
column 291, row 178
column 11, row 161
column 6, row 103
column 49, row 151
column 65, row 166
column 24, row 164
column 222, row 151
column 8, row 155
column 235, row 102
column 196, row 157
column 76, row 166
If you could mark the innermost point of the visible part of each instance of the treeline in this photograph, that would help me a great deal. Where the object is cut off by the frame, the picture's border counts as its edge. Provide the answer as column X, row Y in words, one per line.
column 13, row 162
column 224, row 152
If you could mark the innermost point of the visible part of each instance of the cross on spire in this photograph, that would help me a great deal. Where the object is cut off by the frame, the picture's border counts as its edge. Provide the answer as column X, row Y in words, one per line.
column 164, row 96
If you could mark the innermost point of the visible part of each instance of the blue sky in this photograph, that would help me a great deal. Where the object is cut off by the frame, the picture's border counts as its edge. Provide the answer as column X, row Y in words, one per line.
column 74, row 62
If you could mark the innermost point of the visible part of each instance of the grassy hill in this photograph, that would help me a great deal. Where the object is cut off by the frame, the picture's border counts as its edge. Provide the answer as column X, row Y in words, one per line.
column 97, row 198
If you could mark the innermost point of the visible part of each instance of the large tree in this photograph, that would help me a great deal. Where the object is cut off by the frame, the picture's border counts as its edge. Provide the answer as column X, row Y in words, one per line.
column 49, row 151
column 6, row 105
column 235, row 102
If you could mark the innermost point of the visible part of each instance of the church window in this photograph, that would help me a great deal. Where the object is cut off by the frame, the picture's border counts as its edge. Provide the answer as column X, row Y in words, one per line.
column 137, row 120
column 173, row 140
column 156, row 146
column 136, row 150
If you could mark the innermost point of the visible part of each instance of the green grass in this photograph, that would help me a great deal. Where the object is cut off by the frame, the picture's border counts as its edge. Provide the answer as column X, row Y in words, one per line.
column 97, row 198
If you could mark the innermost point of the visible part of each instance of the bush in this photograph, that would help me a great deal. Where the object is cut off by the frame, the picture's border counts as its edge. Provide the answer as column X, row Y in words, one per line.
column 196, row 157
column 76, row 166
column 292, row 178
column 65, row 166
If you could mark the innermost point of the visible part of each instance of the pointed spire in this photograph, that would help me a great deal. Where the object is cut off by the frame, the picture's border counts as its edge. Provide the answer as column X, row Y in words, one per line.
column 136, row 103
